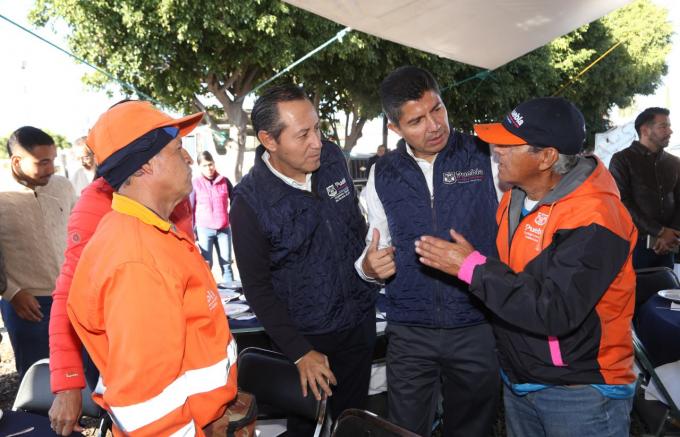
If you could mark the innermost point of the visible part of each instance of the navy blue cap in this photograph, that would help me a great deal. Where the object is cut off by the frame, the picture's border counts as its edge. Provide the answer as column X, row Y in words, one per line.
column 543, row 122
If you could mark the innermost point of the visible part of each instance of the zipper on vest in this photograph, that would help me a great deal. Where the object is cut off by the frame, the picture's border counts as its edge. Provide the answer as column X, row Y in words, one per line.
column 437, row 291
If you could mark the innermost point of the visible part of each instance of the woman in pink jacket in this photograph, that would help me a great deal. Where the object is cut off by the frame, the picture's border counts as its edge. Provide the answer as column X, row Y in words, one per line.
column 212, row 193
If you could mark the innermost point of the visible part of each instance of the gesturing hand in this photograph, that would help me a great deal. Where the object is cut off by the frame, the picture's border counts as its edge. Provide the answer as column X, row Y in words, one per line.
column 316, row 372
column 443, row 255
column 378, row 263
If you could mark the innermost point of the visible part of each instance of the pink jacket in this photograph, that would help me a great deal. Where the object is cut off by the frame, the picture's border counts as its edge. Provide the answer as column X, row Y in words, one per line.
column 211, row 207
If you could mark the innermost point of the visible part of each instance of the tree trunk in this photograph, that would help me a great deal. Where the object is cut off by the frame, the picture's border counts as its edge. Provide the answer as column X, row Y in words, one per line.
column 238, row 117
column 355, row 133
column 384, row 131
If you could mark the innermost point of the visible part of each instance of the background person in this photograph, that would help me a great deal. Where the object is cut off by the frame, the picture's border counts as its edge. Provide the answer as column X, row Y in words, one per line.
column 211, row 196
column 648, row 179
column 85, row 173
column 34, row 207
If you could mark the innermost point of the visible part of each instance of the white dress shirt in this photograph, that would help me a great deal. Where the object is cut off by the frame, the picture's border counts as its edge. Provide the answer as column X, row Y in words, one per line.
column 307, row 186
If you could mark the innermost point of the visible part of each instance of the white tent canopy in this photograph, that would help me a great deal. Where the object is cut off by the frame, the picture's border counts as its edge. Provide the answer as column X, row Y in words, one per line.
column 484, row 33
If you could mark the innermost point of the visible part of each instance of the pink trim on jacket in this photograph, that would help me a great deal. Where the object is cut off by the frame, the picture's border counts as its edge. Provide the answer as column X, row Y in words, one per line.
column 468, row 266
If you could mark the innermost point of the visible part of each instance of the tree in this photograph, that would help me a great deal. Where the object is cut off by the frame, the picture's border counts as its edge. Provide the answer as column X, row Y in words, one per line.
column 636, row 66
column 346, row 76
column 186, row 53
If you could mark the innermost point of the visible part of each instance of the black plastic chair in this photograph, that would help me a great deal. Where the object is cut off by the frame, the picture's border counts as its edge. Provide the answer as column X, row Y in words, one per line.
column 651, row 280
column 35, row 395
column 358, row 423
column 275, row 383
column 647, row 375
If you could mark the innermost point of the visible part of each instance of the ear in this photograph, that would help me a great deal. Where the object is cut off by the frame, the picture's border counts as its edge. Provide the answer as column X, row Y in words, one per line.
column 394, row 128
column 148, row 167
column 267, row 140
column 549, row 158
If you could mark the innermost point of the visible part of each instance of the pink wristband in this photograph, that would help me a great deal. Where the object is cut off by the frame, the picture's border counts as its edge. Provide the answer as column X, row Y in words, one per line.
column 468, row 266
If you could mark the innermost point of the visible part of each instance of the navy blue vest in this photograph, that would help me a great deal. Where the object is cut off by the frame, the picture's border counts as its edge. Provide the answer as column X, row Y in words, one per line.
column 314, row 240
column 464, row 199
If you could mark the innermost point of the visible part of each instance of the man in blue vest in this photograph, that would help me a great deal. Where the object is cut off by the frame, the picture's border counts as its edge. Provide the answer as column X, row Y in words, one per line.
column 297, row 231
column 438, row 338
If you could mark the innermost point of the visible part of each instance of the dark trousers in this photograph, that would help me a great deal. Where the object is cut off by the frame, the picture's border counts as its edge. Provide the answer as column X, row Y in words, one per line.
column 30, row 340
column 460, row 363
column 350, row 353
column 644, row 258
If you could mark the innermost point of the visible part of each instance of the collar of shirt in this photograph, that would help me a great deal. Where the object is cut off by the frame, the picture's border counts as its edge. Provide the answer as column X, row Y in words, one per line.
column 127, row 206
column 426, row 167
column 307, row 186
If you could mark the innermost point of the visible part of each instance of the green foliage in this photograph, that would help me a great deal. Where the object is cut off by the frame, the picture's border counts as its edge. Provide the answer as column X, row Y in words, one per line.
column 59, row 140
column 179, row 50
column 3, row 147
column 635, row 67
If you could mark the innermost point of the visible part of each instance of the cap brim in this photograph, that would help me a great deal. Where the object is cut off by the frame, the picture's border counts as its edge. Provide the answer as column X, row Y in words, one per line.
column 184, row 124
column 496, row 133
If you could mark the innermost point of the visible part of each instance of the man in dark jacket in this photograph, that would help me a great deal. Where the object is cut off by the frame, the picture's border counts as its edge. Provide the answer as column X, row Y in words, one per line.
column 649, row 181
column 562, row 287
column 439, row 340
column 297, row 229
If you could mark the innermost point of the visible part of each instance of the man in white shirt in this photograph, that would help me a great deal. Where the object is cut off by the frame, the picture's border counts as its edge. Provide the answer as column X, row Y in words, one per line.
column 82, row 177
column 438, row 337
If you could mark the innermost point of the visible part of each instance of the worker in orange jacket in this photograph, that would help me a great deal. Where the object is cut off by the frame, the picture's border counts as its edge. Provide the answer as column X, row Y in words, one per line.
column 143, row 301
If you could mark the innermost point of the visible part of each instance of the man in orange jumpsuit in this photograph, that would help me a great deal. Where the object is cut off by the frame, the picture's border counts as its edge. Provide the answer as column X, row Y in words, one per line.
column 143, row 301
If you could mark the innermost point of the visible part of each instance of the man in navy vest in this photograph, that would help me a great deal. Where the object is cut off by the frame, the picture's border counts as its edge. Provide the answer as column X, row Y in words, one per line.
column 438, row 337
column 297, row 230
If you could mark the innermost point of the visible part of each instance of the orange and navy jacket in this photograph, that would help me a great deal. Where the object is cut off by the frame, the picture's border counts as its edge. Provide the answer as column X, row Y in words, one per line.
column 563, row 291
column 66, row 362
column 145, row 305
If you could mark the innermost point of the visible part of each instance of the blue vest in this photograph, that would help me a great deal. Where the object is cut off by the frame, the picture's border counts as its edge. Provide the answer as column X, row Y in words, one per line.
column 314, row 240
column 464, row 199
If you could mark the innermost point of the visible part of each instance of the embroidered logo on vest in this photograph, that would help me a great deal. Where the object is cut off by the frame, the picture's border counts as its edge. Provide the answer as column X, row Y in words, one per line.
column 463, row 177
column 338, row 190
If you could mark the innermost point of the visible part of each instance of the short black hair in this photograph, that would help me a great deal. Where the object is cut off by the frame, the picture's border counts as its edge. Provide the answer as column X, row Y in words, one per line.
column 402, row 85
column 28, row 137
column 648, row 115
column 265, row 114
column 204, row 156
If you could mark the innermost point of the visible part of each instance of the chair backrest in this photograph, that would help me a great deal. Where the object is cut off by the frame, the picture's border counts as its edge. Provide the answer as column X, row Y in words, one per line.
column 275, row 382
column 648, row 375
column 35, row 395
column 353, row 423
column 651, row 280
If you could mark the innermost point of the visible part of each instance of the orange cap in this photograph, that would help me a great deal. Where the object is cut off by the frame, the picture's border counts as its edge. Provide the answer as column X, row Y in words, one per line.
column 496, row 133
column 127, row 121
